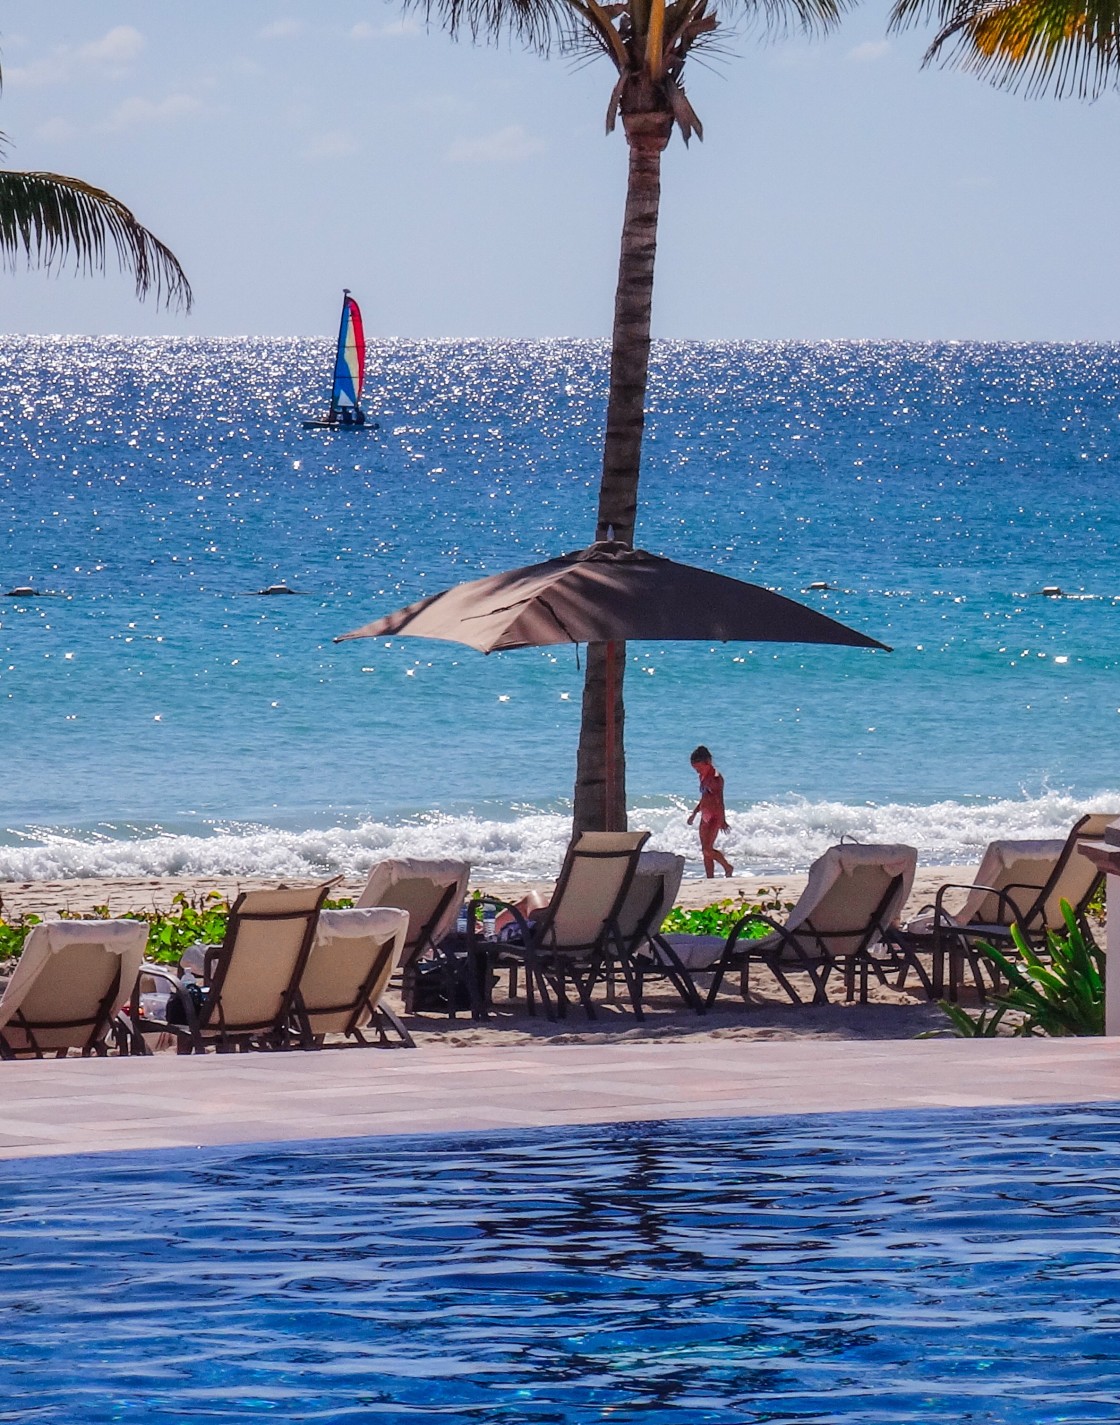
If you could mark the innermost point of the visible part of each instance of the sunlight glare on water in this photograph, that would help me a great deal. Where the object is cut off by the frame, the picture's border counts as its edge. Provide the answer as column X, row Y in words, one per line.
column 151, row 486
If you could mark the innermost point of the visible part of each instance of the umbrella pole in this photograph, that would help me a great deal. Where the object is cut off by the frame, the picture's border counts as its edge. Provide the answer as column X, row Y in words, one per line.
column 611, row 692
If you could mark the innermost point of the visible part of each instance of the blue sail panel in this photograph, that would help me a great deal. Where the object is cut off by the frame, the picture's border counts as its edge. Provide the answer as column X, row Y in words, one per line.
column 350, row 360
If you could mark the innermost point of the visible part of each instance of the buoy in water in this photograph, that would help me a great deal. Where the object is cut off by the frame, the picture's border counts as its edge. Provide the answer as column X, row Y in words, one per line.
column 22, row 591
column 1051, row 591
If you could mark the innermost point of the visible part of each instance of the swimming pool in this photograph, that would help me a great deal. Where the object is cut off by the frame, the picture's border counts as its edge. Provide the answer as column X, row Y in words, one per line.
column 952, row 1266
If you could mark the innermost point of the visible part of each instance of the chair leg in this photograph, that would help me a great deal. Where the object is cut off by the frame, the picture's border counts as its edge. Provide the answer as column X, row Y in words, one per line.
column 408, row 989
column 819, row 997
column 911, row 961
column 633, row 985
column 384, row 1012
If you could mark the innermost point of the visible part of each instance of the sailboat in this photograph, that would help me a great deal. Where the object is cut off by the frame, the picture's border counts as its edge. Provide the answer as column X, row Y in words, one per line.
column 349, row 374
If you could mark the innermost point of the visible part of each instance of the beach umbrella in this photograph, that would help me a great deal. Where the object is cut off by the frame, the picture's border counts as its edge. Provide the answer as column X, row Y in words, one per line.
column 609, row 593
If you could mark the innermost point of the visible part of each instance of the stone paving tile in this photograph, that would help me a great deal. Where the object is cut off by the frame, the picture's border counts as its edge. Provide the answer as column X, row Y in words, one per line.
column 103, row 1105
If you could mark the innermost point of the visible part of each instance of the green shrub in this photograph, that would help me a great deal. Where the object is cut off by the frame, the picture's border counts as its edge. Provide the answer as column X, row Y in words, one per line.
column 719, row 917
column 170, row 932
column 1057, row 996
column 12, row 935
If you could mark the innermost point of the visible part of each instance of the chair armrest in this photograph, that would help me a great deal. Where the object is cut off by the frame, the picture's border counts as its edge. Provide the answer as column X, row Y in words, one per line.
column 938, row 906
column 942, row 916
column 159, row 972
column 176, row 990
column 1020, row 886
column 744, row 921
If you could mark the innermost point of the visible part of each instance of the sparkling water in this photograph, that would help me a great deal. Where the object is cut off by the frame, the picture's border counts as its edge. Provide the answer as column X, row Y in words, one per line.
column 157, row 715
column 852, row 1269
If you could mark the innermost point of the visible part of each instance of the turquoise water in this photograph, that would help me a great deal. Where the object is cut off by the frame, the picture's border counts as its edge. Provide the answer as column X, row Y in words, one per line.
column 157, row 716
column 943, row 1267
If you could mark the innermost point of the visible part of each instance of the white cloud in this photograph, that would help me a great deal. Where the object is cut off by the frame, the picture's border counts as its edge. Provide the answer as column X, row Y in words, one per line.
column 395, row 29
column 282, row 30
column 118, row 47
column 509, row 145
column 138, row 112
column 332, row 145
column 869, row 51
column 111, row 55
column 52, row 70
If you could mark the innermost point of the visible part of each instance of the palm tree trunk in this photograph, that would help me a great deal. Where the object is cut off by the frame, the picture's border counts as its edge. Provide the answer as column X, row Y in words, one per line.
column 600, row 795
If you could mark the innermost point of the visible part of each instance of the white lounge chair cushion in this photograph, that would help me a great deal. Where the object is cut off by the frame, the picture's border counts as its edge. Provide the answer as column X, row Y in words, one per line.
column 695, row 952
column 653, row 867
column 416, row 886
column 844, row 887
column 347, row 945
column 1004, row 863
column 66, row 968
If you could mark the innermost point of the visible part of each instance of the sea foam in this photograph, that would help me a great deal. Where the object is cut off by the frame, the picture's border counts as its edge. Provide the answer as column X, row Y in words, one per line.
column 765, row 838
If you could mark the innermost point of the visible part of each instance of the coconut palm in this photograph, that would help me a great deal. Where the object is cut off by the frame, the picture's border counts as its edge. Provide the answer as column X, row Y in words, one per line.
column 648, row 43
column 50, row 220
column 1060, row 47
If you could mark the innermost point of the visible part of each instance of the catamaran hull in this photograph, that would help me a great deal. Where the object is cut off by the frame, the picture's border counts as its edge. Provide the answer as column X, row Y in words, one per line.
column 339, row 425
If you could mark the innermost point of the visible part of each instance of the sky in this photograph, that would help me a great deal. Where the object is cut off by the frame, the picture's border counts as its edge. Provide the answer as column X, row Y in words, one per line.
column 285, row 150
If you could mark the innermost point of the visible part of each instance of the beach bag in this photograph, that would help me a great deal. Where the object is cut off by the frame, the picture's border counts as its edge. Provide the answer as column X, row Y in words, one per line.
column 177, row 1009
column 435, row 978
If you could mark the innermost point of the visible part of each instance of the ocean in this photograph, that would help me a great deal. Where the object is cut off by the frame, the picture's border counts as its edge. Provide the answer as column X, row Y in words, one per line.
column 158, row 716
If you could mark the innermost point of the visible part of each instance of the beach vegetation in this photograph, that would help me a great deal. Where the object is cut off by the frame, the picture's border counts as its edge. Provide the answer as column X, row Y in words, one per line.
column 200, row 920
column 1057, row 993
column 647, row 43
column 720, row 917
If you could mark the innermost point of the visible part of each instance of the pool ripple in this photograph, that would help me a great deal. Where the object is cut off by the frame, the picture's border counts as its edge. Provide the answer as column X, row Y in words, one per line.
column 955, row 1266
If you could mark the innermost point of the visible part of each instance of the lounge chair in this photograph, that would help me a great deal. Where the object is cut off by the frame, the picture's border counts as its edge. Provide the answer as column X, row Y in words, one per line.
column 652, row 895
column 250, row 995
column 576, row 936
column 69, row 987
column 853, row 895
column 431, row 892
column 352, row 956
column 1017, row 882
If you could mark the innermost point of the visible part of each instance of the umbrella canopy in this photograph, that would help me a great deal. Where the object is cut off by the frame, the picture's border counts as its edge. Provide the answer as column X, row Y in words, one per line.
column 610, row 593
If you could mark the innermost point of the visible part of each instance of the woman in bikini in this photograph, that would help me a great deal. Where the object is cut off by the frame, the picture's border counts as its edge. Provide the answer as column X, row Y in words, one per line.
column 710, row 810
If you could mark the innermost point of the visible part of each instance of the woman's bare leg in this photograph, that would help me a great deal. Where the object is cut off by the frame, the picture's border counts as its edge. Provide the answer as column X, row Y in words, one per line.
column 708, row 834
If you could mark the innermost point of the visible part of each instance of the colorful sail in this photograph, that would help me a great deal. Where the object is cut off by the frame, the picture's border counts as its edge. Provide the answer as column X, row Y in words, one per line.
column 350, row 362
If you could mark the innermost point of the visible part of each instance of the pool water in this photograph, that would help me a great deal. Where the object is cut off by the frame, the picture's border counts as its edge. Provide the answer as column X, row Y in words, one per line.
column 952, row 1266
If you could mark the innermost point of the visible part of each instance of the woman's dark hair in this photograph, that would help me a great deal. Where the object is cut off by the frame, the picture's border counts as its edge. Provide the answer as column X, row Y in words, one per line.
column 701, row 755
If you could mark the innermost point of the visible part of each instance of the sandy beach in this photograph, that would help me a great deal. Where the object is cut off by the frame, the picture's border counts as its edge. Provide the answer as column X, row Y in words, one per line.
column 82, row 895
column 891, row 1014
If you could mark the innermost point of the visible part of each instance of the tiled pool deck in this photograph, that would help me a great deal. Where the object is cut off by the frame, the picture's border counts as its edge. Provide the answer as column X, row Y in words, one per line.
column 86, row 1105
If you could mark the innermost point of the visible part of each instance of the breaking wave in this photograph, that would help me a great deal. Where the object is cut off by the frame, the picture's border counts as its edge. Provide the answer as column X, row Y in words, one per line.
column 766, row 838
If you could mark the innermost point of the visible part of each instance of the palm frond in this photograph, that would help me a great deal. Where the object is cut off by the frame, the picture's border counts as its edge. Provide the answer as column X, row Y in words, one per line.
column 51, row 219
column 599, row 30
column 779, row 17
column 537, row 24
column 614, row 103
column 683, row 112
column 1060, row 47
